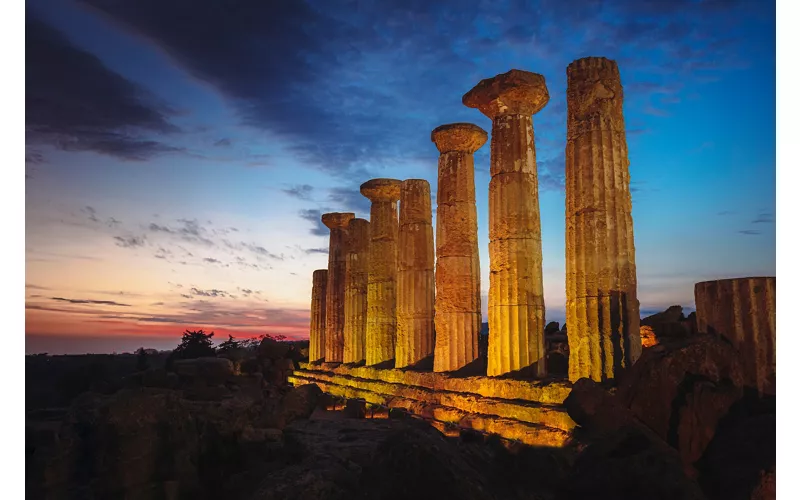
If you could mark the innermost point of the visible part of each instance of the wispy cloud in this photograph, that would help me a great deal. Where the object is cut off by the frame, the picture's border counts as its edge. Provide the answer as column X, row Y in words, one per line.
column 130, row 241
column 300, row 191
column 88, row 301
column 750, row 232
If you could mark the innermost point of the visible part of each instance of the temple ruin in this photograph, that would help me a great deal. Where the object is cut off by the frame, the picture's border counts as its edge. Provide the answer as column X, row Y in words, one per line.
column 316, row 335
column 382, row 281
column 743, row 311
column 458, row 273
column 334, row 299
column 602, row 308
column 387, row 312
column 415, row 285
column 356, row 278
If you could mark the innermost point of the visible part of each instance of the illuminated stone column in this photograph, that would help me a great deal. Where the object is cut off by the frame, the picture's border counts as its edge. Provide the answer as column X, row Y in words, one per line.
column 602, row 308
column 334, row 310
column 355, row 291
column 516, row 296
column 415, row 285
column 458, row 274
column 316, row 335
column 381, row 287
column 743, row 311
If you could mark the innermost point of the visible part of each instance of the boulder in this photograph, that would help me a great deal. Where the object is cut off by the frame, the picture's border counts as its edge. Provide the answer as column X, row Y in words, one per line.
column 299, row 402
column 649, row 338
column 211, row 371
column 739, row 463
column 630, row 463
column 681, row 389
column 670, row 323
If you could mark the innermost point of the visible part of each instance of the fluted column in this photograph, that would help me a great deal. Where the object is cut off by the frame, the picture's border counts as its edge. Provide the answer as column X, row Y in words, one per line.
column 743, row 311
column 334, row 311
column 316, row 334
column 355, row 291
column 516, row 295
column 415, row 285
column 602, row 307
column 458, row 275
column 381, row 287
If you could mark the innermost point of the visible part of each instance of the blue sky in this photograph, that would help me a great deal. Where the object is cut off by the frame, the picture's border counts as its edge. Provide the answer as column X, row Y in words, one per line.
column 179, row 154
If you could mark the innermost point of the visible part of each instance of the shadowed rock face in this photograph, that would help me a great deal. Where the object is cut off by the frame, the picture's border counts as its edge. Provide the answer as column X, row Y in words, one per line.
column 516, row 296
column 316, row 336
column 382, row 280
column 334, row 298
column 458, row 285
column 743, row 311
column 415, row 285
column 602, row 307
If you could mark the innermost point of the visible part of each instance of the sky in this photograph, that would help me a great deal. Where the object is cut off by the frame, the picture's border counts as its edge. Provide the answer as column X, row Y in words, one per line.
column 179, row 154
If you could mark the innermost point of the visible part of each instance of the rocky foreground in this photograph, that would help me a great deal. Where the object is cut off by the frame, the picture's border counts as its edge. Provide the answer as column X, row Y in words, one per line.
column 679, row 425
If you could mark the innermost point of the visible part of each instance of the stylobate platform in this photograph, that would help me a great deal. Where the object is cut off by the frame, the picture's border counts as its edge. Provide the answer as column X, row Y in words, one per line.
column 528, row 411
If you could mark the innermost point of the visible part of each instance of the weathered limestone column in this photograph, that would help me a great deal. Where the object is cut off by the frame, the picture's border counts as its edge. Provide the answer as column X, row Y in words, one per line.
column 516, row 295
column 355, row 291
column 334, row 310
column 602, row 308
column 316, row 334
column 381, row 287
column 415, row 285
column 458, row 274
column 743, row 311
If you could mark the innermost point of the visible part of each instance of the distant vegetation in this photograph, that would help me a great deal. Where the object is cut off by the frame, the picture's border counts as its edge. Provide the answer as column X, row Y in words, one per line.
column 53, row 381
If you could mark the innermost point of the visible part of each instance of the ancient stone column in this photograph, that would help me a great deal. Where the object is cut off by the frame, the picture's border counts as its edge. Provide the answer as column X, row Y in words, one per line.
column 743, row 311
column 602, row 308
column 381, row 287
column 415, row 285
column 458, row 274
column 316, row 335
column 355, row 291
column 334, row 310
column 516, row 295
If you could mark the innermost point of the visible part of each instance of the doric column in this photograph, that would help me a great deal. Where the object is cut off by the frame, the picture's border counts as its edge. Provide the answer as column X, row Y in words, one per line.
column 316, row 335
column 743, row 311
column 355, row 291
column 458, row 274
column 516, row 296
column 415, row 285
column 334, row 310
column 381, row 287
column 602, row 308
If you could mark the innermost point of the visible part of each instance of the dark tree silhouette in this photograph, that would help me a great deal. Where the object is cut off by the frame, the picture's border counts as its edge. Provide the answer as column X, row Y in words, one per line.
column 142, row 360
column 194, row 344
column 229, row 345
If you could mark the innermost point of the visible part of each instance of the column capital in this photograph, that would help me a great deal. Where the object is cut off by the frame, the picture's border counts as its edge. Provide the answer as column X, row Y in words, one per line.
column 462, row 137
column 516, row 92
column 381, row 189
column 334, row 220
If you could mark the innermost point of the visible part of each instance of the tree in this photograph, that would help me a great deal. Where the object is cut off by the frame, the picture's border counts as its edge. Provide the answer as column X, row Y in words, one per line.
column 228, row 346
column 142, row 360
column 194, row 344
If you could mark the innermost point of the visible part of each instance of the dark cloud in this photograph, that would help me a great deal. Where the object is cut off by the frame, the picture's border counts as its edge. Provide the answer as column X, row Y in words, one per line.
column 87, row 301
column 315, row 217
column 750, row 232
column 349, row 199
column 209, row 293
column 211, row 260
column 75, row 103
column 223, row 143
column 301, row 191
column 129, row 241
column 316, row 250
column 764, row 217
column 188, row 230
